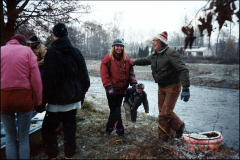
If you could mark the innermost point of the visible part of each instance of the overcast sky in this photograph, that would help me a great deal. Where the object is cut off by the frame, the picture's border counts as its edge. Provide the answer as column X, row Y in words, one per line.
column 150, row 17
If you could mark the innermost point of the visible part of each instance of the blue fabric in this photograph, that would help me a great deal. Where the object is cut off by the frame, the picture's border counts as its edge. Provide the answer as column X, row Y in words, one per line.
column 134, row 87
column 34, row 113
column 110, row 89
column 14, row 132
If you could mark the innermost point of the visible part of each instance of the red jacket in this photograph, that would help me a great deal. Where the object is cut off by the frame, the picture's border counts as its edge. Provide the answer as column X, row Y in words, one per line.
column 117, row 73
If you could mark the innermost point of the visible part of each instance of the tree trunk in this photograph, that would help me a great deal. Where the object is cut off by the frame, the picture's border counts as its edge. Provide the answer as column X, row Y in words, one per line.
column 6, row 34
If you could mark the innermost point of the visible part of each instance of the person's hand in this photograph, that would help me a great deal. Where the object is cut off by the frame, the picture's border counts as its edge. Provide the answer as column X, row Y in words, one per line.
column 110, row 89
column 40, row 108
column 133, row 63
column 83, row 97
column 185, row 95
column 134, row 87
column 146, row 112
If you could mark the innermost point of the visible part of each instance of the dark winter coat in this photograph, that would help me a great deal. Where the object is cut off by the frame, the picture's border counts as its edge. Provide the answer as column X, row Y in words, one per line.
column 117, row 73
column 65, row 74
column 135, row 100
column 167, row 68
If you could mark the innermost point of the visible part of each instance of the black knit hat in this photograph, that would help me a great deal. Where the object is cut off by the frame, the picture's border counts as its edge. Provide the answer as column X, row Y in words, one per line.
column 33, row 39
column 60, row 30
column 118, row 41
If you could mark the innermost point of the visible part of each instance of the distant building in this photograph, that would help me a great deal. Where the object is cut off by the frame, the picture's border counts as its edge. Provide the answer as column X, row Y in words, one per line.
column 199, row 51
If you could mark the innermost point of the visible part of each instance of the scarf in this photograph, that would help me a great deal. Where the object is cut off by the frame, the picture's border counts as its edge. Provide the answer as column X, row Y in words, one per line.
column 118, row 56
column 162, row 50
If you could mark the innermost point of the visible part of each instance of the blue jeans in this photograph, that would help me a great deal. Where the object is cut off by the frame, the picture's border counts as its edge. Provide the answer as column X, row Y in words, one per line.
column 11, row 132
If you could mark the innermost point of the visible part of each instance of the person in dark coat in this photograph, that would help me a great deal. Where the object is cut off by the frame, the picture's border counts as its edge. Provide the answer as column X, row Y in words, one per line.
column 116, row 74
column 170, row 73
column 133, row 100
column 65, row 82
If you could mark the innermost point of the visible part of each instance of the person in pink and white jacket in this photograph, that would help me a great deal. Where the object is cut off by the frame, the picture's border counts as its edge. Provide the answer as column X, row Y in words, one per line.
column 21, row 90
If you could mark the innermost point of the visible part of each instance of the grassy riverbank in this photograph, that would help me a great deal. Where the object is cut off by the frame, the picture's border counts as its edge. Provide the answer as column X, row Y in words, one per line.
column 212, row 75
column 141, row 140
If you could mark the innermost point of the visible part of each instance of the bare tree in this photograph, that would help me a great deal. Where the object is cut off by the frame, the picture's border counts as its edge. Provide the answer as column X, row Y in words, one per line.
column 38, row 15
column 231, row 47
column 222, row 10
column 113, row 26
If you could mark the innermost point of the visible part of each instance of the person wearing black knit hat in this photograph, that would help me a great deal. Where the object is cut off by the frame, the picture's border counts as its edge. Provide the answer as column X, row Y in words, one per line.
column 170, row 72
column 65, row 83
column 60, row 30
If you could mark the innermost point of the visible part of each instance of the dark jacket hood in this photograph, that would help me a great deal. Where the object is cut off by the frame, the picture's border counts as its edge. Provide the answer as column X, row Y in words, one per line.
column 63, row 44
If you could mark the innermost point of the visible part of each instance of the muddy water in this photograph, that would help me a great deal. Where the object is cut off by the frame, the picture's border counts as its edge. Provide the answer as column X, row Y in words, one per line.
column 209, row 108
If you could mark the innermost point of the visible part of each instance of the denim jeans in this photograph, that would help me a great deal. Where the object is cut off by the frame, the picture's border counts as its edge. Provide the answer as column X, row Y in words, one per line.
column 49, row 134
column 11, row 132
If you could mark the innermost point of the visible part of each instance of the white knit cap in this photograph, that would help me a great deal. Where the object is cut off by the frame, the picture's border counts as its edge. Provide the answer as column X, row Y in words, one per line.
column 163, row 37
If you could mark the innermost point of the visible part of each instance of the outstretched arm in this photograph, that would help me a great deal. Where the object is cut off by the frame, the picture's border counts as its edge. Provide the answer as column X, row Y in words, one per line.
column 142, row 61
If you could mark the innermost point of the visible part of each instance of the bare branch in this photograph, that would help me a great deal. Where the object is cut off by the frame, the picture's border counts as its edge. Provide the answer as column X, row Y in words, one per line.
column 24, row 5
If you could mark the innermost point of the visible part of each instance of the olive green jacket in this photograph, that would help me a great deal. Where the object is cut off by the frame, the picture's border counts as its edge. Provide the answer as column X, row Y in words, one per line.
column 167, row 67
column 40, row 52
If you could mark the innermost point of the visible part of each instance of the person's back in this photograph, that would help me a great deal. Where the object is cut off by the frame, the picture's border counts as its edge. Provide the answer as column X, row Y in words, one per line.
column 65, row 74
column 19, row 72
column 65, row 82
column 21, row 90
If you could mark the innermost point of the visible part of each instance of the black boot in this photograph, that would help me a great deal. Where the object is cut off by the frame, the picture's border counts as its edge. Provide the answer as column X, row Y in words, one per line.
column 179, row 132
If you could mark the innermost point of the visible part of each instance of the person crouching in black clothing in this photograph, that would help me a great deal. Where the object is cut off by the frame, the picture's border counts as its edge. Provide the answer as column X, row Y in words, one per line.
column 133, row 100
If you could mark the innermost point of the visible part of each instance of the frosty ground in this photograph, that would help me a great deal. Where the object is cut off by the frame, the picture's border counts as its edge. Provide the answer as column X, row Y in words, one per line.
column 141, row 141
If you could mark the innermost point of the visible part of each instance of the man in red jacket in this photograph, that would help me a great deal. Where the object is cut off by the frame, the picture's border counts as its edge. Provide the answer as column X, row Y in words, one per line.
column 116, row 73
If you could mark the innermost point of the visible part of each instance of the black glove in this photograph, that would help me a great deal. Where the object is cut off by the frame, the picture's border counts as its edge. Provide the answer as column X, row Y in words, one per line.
column 40, row 108
column 83, row 97
column 134, row 86
column 110, row 90
column 185, row 95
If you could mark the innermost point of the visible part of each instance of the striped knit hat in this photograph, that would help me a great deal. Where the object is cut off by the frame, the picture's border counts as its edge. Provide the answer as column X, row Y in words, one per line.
column 163, row 37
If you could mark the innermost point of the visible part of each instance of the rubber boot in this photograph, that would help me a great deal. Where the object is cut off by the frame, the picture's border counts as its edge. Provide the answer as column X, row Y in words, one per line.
column 179, row 132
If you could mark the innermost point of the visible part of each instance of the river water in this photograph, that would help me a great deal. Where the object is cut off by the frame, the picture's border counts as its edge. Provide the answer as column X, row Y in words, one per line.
column 209, row 108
